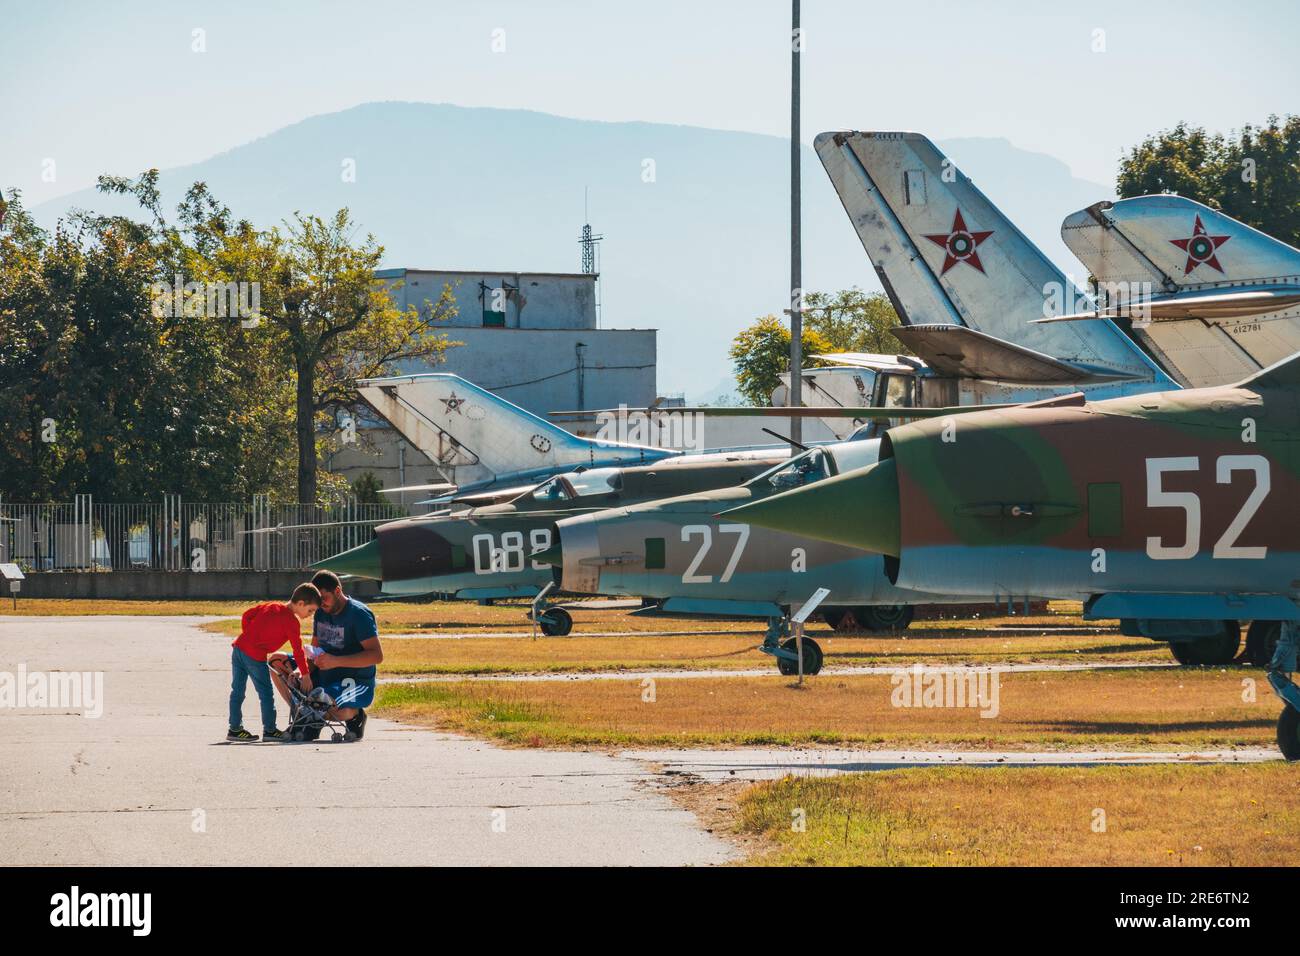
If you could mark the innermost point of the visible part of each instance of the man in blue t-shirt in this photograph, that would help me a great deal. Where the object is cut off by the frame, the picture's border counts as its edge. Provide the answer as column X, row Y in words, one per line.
column 347, row 645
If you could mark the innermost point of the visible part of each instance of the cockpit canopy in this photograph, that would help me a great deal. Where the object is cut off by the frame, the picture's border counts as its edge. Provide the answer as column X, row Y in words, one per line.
column 579, row 484
column 818, row 463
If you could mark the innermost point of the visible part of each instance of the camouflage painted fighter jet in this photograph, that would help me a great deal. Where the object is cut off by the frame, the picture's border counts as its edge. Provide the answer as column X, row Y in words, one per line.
column 677, row 552
column 490, row 551
column 1174, row 512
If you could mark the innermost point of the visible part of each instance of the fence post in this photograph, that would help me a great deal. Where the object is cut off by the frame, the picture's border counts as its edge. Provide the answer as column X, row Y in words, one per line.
column 82, row 529
column 261, row 542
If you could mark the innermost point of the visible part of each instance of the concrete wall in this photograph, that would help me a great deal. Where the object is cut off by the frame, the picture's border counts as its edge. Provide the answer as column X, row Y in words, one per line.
column 531, row 300
column 171, row 585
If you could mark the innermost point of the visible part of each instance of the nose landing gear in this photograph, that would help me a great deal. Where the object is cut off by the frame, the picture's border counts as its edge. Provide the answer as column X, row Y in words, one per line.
column 782, row 646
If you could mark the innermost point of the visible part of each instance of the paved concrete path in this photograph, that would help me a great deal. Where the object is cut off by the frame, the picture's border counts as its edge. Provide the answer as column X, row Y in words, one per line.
column 125, row 788
column 773, row 763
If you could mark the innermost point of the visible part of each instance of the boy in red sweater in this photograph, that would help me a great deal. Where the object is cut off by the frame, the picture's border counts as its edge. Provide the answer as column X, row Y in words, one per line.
column 266, row 628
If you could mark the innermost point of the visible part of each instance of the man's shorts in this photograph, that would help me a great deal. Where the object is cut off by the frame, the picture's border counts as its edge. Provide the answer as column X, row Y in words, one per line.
column 350, row 692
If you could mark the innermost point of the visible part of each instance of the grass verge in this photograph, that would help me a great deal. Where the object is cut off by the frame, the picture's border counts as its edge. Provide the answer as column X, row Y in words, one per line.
column 1141, row 710
column 1245, row 815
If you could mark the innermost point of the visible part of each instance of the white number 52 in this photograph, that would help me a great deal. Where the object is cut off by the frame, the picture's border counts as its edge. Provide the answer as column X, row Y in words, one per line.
column 1226, row 546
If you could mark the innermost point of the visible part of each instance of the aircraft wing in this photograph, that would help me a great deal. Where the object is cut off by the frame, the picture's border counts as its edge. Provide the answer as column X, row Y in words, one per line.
column 1211, row 305
column 440, row 487
column 823, row 411
column 964, row 352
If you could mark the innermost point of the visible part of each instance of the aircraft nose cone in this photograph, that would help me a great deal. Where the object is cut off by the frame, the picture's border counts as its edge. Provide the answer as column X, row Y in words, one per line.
column 858, row 509
column 361, row 562
column 554, row 555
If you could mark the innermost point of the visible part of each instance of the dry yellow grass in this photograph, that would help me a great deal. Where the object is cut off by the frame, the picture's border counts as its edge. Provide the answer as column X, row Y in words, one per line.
column 1245, row 815
column 79, row 607
column 1129, row 709
column 486, row 655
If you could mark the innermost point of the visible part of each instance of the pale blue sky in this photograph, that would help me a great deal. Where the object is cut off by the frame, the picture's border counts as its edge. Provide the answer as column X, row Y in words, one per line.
column 114, row 86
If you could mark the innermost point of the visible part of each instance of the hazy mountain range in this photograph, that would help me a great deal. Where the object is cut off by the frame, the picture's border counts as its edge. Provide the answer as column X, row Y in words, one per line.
column 698, row 252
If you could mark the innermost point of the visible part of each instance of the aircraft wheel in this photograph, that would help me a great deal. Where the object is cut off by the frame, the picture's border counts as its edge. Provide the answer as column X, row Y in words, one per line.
column 556, row 622
column 838, row 618
column 1215, row 649
column 885, row 617
column 812, row 657
column 1261, row 641
column 1288, row 732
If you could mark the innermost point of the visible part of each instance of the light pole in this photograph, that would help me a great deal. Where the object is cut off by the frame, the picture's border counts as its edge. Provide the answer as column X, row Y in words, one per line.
column 796, row 264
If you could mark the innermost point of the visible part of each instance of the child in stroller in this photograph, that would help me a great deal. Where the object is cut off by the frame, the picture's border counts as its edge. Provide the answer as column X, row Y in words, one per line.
column 309, row 713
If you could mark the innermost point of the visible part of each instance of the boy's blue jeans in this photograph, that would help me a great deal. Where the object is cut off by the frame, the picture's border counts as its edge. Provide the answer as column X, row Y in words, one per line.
column 243, row 668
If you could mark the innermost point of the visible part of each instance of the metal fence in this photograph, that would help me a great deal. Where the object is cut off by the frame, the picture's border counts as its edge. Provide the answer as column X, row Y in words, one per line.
column 174, row 535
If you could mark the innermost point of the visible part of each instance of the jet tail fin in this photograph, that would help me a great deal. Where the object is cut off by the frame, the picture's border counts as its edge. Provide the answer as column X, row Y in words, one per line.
column 1220, row 297
column 458, row 424
column 946, row 254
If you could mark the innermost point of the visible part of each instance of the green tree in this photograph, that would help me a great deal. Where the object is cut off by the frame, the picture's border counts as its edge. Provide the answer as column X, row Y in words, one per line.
column 366, row 488
column 1253, row 175
column 853, row 321
column 337, row 323
column 761, row 352
column 324, row 321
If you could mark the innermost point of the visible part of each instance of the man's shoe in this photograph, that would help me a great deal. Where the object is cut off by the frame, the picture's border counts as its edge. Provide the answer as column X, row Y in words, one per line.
column 357, row 725
column 240, row 734
column 274, row 735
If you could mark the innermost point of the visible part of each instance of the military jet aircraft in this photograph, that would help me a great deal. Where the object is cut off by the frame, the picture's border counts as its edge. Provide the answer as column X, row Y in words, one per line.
column 486, row 444
column 676, row 551
column 1173, row 512
column 490, row 550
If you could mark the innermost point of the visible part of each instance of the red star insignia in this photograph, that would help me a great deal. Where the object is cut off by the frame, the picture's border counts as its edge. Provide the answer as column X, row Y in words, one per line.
column 453, row 404
column 960, row 244
column 1201, row 247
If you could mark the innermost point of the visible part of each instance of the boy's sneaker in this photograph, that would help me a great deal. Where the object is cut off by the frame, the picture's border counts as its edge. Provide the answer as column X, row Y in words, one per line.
column 240, row 734
column 274, row 734
column 357, row 724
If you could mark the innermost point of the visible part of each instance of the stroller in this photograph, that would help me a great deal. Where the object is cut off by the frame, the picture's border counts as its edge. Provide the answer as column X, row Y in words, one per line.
column 309, row 713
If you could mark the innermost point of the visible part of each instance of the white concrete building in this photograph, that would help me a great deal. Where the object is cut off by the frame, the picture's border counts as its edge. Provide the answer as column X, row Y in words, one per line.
column 531, row 337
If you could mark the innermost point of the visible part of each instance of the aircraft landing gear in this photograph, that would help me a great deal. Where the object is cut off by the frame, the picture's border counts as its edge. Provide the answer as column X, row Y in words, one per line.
column 873, row 617
column 812, row 657
column 1215, row 649
column 554, row 621
column 1261, row 641
column 1279, row 675
column 885, row 617
column 787, row 659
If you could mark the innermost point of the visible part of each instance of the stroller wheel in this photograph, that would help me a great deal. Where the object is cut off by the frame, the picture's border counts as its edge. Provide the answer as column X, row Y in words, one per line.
column 297, row 735
column 348, row 737
column 336, row 737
